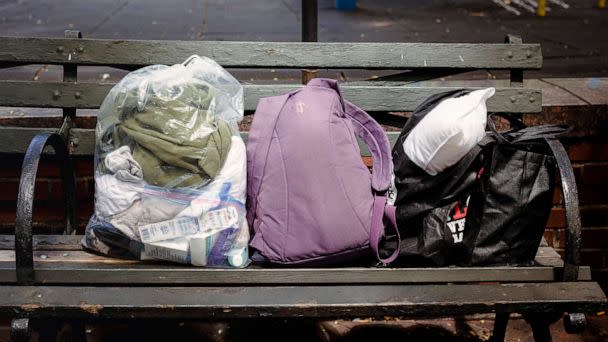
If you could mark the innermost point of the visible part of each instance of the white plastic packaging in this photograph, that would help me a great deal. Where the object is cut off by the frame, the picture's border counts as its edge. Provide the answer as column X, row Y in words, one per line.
column 448, row 132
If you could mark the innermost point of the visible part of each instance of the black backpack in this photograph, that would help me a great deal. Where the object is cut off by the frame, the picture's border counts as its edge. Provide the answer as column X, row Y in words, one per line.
column 490, row 208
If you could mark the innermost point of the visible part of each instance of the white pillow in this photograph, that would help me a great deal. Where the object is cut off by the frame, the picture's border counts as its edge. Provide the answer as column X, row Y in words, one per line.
column 448, row 132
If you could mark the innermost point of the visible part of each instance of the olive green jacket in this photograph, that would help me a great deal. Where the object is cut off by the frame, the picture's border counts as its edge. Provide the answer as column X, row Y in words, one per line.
column 177, row 139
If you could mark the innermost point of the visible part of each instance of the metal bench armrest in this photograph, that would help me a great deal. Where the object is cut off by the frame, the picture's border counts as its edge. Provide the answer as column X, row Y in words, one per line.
column 25, row 199
column 572, row 257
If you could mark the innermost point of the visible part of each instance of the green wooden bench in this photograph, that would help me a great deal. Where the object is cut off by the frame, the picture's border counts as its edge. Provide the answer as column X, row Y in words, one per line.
column 45, row 277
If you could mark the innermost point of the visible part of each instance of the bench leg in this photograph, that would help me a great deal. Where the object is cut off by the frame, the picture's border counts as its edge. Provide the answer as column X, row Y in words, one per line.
column 73, row 331
column 500, row 326
column 541, row 323
column 53, row 330
column 541, row 331
column 48, row 330
column 20, row 330
column 79, row 331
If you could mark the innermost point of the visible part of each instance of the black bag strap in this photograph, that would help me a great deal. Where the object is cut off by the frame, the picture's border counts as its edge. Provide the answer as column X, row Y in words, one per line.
column 521, row 132
column 549, row 134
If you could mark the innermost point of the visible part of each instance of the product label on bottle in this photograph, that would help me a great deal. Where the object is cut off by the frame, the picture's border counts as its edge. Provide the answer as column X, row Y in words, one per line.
column 220, row 219
column 178, row 227
column 167, row 253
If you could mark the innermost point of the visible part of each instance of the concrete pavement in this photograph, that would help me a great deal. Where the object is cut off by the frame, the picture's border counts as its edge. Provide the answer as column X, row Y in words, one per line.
column 574, row 40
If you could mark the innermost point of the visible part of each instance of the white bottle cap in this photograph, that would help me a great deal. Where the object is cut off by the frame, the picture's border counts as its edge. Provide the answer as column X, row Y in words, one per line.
column 235, row 260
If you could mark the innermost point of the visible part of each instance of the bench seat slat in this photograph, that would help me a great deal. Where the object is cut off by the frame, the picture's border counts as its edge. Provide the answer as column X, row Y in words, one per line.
column 297, row 301
column 134, row 272
column 55, row 242
column 271, row 54
column 370, row 98
column 65, row 262
column 43, row 242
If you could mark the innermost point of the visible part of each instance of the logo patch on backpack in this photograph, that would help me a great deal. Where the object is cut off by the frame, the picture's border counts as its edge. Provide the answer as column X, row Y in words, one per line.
column 457, row 220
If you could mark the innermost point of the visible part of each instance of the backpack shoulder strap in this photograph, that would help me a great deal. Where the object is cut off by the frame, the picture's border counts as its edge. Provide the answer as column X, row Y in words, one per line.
column 370, row 132
column 374, row 137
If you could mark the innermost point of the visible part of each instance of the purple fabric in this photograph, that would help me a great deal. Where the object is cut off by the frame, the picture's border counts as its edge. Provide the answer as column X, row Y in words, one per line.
column 373, row 135
column 370, row 132
column 310, row 197
column 258, row 144
column 223, row 243
column 380, row 211
column 390, row 212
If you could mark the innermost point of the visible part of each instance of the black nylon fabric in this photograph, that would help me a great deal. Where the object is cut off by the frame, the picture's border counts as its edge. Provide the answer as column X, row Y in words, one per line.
column 435, row 243
column 417, row 192
column 513, row 200
column 488, row 209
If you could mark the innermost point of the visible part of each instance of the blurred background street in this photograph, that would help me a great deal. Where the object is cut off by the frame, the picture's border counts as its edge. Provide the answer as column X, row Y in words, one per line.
column 574, row 40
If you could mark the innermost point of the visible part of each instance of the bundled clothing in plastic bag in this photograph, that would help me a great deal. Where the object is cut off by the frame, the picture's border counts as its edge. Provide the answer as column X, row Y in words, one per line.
column 170, row 167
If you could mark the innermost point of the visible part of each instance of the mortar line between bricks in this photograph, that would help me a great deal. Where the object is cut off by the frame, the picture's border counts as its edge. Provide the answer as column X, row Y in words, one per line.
column 590, row 163
column 594, row 206
column 584, row 206
column 567, row 90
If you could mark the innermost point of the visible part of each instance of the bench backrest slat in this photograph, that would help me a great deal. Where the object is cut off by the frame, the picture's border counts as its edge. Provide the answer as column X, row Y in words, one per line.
column 14, row 50
column 17, row 139
column 370, row 98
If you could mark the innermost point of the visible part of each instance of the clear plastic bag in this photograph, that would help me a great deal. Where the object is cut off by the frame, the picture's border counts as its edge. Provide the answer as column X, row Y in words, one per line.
column 170, row 167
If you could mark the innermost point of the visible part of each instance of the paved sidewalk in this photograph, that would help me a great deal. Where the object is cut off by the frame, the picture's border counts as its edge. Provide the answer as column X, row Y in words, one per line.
column 574, row 40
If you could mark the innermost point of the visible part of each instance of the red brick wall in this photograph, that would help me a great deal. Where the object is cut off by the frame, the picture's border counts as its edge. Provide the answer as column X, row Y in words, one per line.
column 48, row 205
column 590, row 163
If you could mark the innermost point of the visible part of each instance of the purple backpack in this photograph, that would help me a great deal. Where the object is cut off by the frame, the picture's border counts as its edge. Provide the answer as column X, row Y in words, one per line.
column 310, row 197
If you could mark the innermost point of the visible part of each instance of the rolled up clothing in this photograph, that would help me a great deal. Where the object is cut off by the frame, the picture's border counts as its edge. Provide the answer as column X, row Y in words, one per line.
column 120, row 162
column 178, row 142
